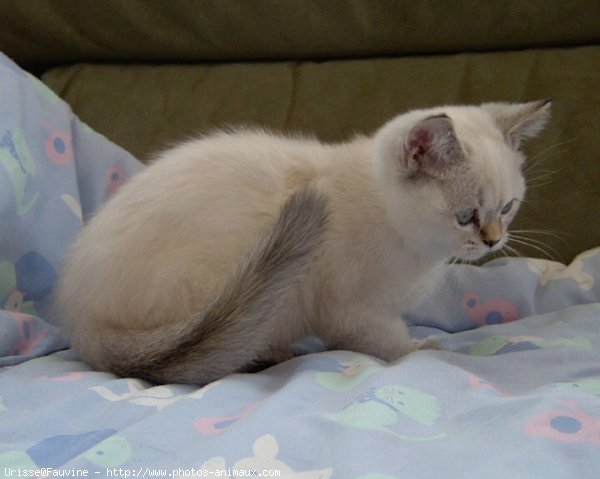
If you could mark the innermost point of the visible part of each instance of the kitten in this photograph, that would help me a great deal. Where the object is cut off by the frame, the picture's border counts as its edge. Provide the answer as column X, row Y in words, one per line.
column 228, row 249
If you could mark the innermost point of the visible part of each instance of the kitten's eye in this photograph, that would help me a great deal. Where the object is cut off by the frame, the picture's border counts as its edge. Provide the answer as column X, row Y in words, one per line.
column 467, row 216
column 507, row 207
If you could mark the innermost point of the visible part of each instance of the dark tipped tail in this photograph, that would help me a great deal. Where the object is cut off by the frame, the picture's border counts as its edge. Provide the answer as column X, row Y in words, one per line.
column 232, row 331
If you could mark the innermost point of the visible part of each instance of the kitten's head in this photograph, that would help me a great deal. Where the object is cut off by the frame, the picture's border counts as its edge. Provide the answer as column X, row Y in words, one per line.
column 453, row 176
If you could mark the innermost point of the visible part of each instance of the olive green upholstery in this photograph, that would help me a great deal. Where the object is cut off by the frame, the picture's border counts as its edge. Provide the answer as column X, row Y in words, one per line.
column 167, row 31
column 149, row 73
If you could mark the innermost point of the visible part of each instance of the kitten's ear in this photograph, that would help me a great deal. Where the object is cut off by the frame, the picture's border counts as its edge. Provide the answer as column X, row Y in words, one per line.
column 432, row 148
column 519, row 121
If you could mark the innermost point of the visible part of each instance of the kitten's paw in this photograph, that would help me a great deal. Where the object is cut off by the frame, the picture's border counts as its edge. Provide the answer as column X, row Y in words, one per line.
column 426, row 343
column 275, row 356
column 267, row 360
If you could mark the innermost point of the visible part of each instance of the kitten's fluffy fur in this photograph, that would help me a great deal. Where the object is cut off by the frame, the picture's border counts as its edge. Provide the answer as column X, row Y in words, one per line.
column 229, row 248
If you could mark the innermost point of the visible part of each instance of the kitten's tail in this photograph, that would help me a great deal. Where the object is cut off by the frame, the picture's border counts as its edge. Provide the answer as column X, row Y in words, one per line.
column 233, row 330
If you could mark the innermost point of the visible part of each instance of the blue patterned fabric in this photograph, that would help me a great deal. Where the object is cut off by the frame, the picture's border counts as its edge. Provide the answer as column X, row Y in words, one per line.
column 54, row 171
column 514, row 392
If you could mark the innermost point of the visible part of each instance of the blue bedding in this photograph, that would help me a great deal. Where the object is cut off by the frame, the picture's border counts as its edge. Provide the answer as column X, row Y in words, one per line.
column 514, row 392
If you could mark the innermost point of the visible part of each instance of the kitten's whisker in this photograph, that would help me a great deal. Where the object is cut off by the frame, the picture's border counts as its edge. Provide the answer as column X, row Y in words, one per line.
column 513, row 234
column 532, row 166
column 547, row 171
column 426, row 277
column 453, row 285
column 536, row 180
column 552, row 234
column 556, row 234
column 531, row 161
column 539, row 185
column 533, row 240
column 542, row 174
column 551, row 147
column 537, row 248
column 511, row 250
column 541, row 247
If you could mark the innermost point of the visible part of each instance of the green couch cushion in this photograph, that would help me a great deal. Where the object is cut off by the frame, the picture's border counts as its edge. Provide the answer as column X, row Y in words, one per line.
column 145, row 108
column 69, row 31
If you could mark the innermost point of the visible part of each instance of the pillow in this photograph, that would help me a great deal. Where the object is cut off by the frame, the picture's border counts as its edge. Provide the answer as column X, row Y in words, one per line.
column 54, row 172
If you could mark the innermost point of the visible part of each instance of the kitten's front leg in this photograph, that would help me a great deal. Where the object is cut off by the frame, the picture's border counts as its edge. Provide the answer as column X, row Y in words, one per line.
column 386, row 338
column 426, row 343
column 268, row 359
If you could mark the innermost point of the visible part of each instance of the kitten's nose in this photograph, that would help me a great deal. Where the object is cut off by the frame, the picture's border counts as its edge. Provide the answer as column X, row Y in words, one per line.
column 491, row 233
column 490, row 243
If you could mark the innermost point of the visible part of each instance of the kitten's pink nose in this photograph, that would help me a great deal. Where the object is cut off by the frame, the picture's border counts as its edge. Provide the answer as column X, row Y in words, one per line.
column 491, row 233
column 490, row 243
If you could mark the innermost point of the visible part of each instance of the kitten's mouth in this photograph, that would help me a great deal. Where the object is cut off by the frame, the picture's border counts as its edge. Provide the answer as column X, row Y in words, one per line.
column 470, row 251
column 471, row 254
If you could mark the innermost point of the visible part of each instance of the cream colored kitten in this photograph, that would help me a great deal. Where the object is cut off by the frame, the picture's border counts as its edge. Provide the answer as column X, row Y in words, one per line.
column 229, row 248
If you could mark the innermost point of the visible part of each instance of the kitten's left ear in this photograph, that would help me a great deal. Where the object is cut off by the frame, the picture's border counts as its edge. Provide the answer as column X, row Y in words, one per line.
column 431, row 148
column 519, row 121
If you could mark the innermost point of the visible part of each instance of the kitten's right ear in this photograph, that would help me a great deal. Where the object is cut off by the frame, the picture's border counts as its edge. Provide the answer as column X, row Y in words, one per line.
column 431, row 147
column 519, row 121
